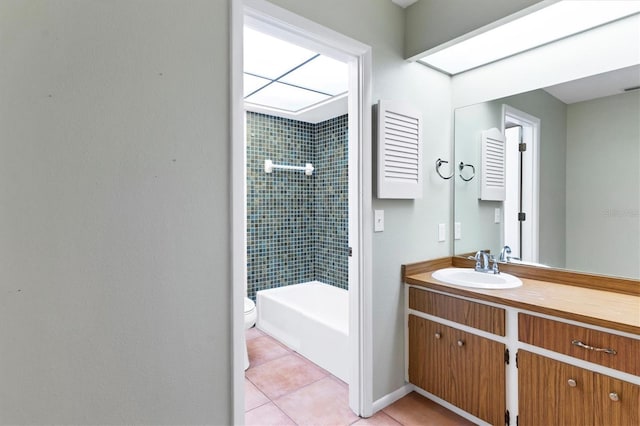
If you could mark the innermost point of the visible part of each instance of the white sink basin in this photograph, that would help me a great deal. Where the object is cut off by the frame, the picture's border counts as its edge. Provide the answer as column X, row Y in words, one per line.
column 467, row 277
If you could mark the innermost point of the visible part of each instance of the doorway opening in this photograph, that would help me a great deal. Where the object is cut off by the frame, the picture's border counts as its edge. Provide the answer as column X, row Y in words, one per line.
column 522, row 133
column 355, row 196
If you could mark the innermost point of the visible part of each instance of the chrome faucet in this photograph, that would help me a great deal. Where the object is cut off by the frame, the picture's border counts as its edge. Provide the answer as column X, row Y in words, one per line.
column 483, row 260
column 504, row 254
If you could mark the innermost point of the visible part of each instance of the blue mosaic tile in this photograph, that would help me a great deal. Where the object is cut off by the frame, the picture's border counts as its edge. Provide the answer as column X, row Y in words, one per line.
column 297, row 225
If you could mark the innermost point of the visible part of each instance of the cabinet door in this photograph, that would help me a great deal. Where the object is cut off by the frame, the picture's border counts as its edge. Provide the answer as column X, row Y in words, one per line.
column 464, row 369
column 428, row 358
column 616, row 402
column 478, row 383
column 552, row 392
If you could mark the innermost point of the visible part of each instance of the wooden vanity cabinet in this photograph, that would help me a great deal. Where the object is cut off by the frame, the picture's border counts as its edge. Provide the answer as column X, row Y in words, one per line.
column 468, row 370
column 462, row 368
column 551, row 392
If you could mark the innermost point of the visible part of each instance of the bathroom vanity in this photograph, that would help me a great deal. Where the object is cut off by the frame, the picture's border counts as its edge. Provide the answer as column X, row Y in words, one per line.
column 564, row 348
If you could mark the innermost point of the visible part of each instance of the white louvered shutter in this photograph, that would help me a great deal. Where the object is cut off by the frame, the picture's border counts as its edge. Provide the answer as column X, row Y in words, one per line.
column 399, row 151
column 492, row 181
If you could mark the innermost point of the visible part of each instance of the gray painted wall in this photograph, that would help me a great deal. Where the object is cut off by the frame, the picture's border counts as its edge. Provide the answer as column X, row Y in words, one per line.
column 410, row 226
column 430, row 23
column 114, row 223
column 478, row 228
column 479, row 232
column 603, row 198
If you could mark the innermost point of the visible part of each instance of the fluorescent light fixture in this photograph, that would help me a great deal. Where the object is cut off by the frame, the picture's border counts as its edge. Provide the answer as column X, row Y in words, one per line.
column 283, row 77
column 253, row 83
column 322, row 74
column 284, row 97
column 554, row 22
column 271, row 57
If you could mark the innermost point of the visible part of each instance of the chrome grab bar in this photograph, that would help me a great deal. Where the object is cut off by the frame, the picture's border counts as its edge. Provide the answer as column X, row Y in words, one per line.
column 593, row 348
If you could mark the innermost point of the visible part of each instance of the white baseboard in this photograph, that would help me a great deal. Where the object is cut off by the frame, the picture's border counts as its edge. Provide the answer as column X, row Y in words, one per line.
column 450, row 407
column 392, row 397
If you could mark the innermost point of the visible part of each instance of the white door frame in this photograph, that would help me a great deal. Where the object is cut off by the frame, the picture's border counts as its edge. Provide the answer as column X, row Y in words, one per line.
column 360, row 281
column 533, row 178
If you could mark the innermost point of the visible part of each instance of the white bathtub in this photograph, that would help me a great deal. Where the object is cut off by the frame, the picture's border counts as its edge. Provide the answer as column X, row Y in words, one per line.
column 312, row 319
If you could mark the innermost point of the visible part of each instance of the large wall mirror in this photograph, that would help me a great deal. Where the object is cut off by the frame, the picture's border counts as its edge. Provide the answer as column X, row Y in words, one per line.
column 567, row 175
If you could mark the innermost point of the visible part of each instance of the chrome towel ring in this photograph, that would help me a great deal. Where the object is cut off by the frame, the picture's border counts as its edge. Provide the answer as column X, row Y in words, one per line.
column 439, row 163
column 461, row 166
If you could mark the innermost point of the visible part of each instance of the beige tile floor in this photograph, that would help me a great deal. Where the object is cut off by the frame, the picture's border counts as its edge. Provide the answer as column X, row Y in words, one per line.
column 284, row 388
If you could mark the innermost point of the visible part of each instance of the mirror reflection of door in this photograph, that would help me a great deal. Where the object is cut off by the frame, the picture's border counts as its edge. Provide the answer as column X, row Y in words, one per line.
column 521, row 201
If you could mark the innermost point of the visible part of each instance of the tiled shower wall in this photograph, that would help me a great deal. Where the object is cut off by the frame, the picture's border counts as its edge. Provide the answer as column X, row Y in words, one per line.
column 296, row 224
column 331, row 202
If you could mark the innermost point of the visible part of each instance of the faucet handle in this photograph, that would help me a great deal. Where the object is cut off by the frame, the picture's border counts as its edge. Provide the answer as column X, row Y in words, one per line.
column 495, row 268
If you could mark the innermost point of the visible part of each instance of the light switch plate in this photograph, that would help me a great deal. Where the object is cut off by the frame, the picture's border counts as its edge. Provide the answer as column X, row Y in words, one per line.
column 457, row 231
column 442, row 232
column 497, row 215
column 378, row 220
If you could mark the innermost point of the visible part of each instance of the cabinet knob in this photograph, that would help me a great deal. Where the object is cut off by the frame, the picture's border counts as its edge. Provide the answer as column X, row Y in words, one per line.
column 572, row 383
column 614, row 396
column 460, row 342
column 438, row 335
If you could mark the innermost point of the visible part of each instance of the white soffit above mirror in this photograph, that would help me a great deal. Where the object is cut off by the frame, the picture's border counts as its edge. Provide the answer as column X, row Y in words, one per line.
column 554, row 22
column 597, row 86
column 287, row 80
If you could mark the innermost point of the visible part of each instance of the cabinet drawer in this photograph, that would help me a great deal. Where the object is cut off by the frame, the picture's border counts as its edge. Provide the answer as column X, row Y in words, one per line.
column 472, row 314
column 566, row 339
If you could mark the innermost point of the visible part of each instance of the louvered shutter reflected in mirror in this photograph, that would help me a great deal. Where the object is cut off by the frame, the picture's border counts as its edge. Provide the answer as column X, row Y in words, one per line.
column 492, row 181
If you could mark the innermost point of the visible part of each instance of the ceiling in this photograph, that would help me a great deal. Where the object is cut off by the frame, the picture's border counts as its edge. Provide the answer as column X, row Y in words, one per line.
column 289, row 79
column 404, row 3
column 597, row 86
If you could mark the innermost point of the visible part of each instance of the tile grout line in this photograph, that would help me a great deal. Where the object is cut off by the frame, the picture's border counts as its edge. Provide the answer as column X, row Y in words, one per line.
column 326, row 375
column 297, row 389
column 273, row 401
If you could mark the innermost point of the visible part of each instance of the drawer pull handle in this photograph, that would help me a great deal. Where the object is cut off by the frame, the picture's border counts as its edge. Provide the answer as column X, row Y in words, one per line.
column 572, row 382
column 460, row 342
column 592, row 348
column 614, row 396
column 438, row 335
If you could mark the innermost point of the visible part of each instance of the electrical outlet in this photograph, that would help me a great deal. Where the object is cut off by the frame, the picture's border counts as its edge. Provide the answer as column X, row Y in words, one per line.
column 442, row 232
column 497, row 215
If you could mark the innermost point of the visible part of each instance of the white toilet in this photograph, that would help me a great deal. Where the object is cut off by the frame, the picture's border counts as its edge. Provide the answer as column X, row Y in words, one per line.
column 250, row 316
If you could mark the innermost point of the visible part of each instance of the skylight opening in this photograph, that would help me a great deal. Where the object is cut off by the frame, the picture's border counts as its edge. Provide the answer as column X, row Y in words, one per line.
column 552, row 23
column 287, row 98
column 282, row 76
column 253, row 83
column 270, row 57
